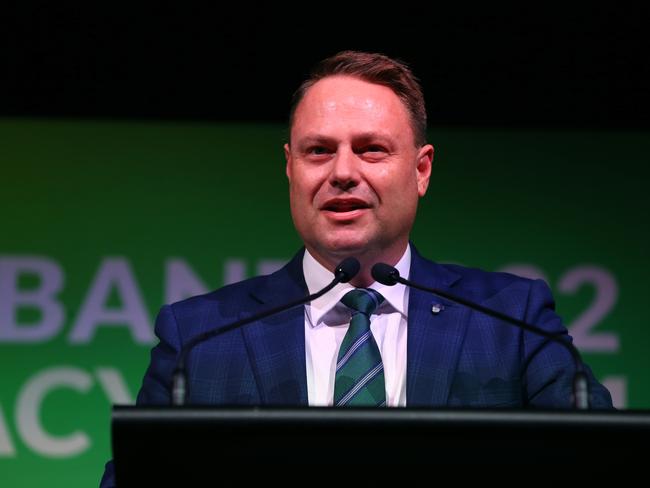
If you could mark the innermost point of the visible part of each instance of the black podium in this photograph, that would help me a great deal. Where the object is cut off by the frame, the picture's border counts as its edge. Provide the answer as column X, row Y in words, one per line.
column 193, row 446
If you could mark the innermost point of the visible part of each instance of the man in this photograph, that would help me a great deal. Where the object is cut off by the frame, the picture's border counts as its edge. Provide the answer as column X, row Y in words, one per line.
column 357, row 164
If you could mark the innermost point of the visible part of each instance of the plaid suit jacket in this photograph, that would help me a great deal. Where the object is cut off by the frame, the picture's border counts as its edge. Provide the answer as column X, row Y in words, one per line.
column 455, row 358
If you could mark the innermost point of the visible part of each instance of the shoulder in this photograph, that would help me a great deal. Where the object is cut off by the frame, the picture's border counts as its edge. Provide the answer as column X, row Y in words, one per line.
column 523, row 298
column 474, row 283
column 490, row 280
column 491, row 284
column 244, row 295
column 232, row 293
column 483, row 285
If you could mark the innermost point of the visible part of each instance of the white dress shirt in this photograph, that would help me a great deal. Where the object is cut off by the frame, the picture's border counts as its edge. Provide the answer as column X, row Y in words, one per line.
column 327, row 320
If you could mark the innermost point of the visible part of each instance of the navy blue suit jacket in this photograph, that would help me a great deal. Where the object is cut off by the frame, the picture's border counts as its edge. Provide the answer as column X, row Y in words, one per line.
column 455, row 358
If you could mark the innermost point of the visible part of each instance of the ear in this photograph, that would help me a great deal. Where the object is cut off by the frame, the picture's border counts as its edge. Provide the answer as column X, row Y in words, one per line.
column 287, row 157
column 423, row 168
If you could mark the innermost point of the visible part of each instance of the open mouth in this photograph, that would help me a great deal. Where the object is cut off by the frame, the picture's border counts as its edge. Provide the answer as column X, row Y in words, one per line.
column 345, row 205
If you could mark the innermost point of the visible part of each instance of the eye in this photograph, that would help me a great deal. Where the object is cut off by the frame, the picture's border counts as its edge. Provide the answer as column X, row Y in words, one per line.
column 373, row 152
column 318, row 150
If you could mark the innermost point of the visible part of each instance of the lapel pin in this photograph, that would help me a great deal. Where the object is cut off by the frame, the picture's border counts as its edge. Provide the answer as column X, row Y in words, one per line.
column 437, row 308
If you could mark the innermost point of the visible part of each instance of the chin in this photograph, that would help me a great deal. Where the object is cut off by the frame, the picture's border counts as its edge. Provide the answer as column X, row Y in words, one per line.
column 345, row 245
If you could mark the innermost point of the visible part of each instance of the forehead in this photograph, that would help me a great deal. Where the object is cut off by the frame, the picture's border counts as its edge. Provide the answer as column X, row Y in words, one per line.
column 340, row 104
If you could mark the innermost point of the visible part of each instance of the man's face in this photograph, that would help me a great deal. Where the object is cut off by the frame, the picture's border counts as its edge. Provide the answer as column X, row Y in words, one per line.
column 355, row 174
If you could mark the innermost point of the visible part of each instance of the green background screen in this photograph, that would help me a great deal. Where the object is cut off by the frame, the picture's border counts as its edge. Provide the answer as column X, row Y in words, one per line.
column 104, row 222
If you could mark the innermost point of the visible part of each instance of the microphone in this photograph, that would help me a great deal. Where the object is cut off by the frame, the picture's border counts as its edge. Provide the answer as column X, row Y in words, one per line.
column 344, row 272
column 389, row 276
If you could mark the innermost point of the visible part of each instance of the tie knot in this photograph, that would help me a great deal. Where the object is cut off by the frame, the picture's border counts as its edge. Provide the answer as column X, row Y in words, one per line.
column 364, row 300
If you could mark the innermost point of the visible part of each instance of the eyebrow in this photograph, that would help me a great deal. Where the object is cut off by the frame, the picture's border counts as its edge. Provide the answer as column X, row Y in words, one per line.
column 363, row 137
column 366, row 136
column 315, row 139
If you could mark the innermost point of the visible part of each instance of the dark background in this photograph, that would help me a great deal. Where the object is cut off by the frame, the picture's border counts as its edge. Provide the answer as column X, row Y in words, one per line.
column 527, row 66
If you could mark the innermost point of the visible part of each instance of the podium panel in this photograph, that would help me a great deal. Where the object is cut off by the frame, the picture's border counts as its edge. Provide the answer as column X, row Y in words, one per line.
column 192, row 446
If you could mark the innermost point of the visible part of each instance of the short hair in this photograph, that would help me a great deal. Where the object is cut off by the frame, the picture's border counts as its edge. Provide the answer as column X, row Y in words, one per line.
column 373, row 68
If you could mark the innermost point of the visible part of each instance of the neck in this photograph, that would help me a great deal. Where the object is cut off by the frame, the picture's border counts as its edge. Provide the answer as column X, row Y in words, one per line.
column 367, row 259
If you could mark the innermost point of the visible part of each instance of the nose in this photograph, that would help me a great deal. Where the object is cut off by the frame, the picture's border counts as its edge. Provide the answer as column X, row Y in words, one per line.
column 345, row 170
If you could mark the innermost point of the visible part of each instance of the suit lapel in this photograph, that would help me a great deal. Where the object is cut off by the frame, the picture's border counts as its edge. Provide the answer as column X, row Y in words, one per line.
column 276, row 345
column 434, row 339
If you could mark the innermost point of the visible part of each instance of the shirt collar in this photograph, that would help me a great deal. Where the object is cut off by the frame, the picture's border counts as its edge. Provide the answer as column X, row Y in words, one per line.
column 317, row 277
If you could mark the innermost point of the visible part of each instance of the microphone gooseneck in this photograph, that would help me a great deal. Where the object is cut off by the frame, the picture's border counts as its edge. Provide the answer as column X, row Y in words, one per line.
column 344, row 272
column 389, row 276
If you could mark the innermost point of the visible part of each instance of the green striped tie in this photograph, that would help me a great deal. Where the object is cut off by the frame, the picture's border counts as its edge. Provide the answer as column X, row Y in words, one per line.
column 359, row 370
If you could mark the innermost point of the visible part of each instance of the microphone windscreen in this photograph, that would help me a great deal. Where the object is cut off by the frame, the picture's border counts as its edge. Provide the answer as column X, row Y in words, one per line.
column 347, row 269
column 384, row 274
